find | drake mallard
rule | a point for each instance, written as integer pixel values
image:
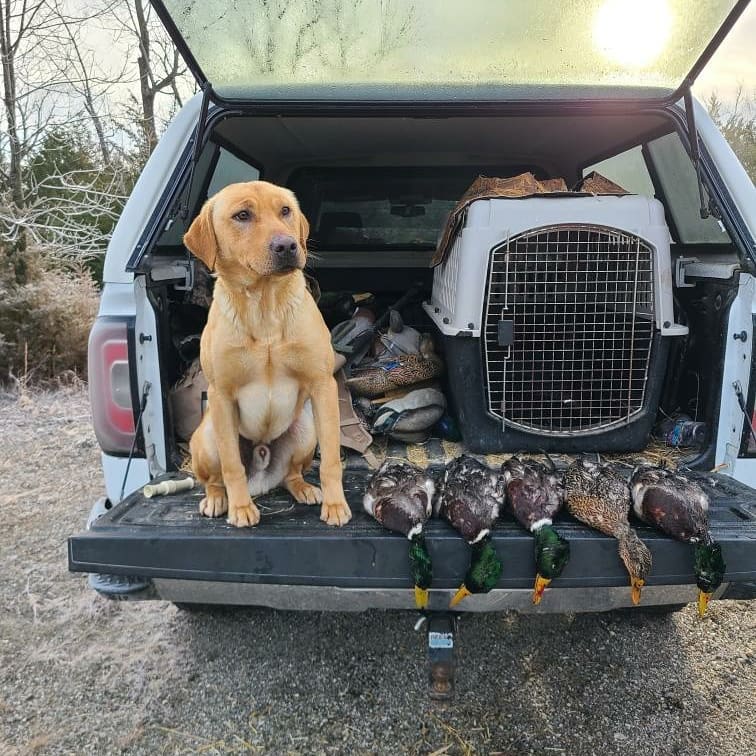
(469, 497)
(600, 497)
(535, 495)
(399, 495)
(680, 508)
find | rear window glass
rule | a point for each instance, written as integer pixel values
(628, 169)
(226, 169)
(492, 49)
(678, 182)
(230, 169)
(382, 208)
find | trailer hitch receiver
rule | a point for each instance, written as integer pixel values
(441, 629)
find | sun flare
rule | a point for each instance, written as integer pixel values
(632, 32)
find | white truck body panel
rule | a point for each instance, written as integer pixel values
(123, 295)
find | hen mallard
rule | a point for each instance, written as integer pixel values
(600, 497)
(469, 498)
(679, 507)
(397, 372)
(399, 495)
(535, 495)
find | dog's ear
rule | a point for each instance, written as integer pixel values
(304, 231)
(200, 239)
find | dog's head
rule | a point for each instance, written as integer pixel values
(250, 230)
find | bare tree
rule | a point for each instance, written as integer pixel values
(82, 78)
(52, 77)
(395, 26)
(62, 215)
(23, 25)
(158, 65)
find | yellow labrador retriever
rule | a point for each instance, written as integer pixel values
(266, 353)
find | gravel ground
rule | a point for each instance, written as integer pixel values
(79, 674)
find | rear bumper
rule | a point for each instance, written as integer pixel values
(292, 560)
(332, 598)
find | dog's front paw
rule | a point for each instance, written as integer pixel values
(246, 516)
(303, 492)
(335, 513)
(214, 505)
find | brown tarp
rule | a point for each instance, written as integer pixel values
(516, 187)
(595, 183)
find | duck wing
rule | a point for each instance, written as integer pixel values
(399, 496)
(597, 496)
(672, 503)
(470, 497)
(533, 492)
(401, 513)
(381, 484)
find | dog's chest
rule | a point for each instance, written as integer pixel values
(269, 397)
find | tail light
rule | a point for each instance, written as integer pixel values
(112, 392)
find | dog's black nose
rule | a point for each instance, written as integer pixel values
(284, 249)
(281, 244)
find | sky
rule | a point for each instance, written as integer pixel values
(734, 64)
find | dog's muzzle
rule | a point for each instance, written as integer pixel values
(284, 253)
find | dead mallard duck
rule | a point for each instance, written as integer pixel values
(599, 496)
(535, 495)
(469, 497)
(680, 508)
(399, 496)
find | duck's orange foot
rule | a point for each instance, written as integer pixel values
(421, 597)
(635, 589)
(462, 593)
(540, 586)
(703, 602)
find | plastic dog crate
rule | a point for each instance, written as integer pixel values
(555, 315)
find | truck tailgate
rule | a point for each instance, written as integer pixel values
(165, 537)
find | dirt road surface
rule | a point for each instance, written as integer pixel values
(81, 675)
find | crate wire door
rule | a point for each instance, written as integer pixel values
(581, 302)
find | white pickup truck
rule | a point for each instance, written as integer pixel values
(379, 123)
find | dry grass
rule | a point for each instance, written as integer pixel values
(143, 678)
(44, 326)
(65, 653)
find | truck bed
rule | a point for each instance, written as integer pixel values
(165, 537)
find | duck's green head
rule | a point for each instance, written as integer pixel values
(421, 568)
(484, 573)
(710, 567)
(552, 552)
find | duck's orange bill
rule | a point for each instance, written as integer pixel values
(421, 597)
(459, 595)
(539, 588)
(703, 602)
(635, 589)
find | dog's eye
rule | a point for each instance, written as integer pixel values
(285, 210)
(242, 215)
